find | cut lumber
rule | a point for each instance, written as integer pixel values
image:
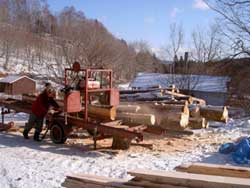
(191, 180)
(172, 120)
(198, 123)
(69, 183)
(148, 184)
(215, 113)
(173, 102)
(128, 108)
(98, 181)
(181, 102)
(213, 169)
(193, 99)
(135, 119)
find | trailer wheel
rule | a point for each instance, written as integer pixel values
(57, 134)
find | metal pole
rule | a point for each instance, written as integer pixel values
(2, 115)
(110, 86)
(110, 79)
(65, 98)
(86, 96)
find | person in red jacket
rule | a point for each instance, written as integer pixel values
(39, 110)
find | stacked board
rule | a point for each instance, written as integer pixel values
(195, 175)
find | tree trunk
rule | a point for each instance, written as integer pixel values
(136, 119)
(198, 123)
(214, 113)
(128, 108)
(172, 120)
(120, 143)
(194, 111)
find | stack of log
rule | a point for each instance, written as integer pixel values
(186, 112)
(178, 113)
(193, 176)
(171, 116)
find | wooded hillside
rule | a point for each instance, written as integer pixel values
(30, 32)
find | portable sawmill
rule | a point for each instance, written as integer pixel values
(89, 103)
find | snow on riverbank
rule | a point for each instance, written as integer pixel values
(25, 163)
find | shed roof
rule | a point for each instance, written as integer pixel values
(13, 78)
(193, 82)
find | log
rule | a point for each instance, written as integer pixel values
(121, 143)
(128, 108)
(191, 180)
(215, 113)
(214, 169)
(198, 123)
(162, 108)
(135, 119)
(194, 111)
(102, 112)
(172, 120)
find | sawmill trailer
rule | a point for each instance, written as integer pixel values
(89, 104)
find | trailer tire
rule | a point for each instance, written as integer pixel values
(57, 134)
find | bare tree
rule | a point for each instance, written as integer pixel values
(206, 44)
(236, 25)
(176, 40)
(51, 42)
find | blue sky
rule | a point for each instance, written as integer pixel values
(147, 20)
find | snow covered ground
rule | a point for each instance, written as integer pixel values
(25, 163)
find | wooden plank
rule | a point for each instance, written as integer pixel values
(100, 180)
(200, 101)
(191, 180)
(213, 169)
(76, 184)
(148, 184)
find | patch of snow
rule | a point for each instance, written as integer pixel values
(124, 86)
(25, 163)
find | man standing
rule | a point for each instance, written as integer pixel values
(40, 108)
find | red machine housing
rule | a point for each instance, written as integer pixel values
(72, 102)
